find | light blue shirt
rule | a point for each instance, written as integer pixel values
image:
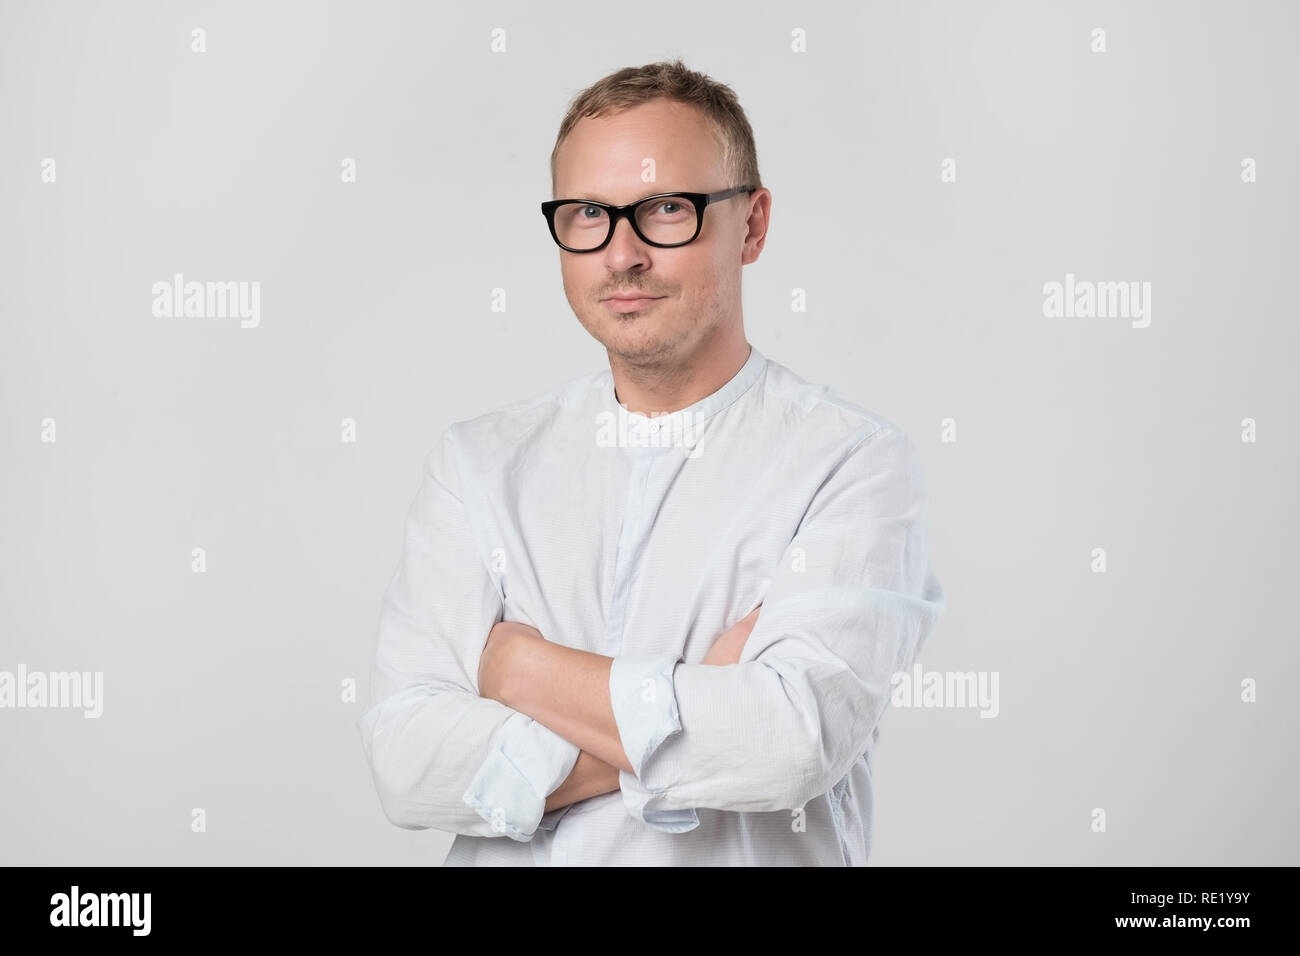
(644, 538)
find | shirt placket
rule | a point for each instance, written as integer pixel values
(633, 534)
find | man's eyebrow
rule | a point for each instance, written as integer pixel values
(597, 197)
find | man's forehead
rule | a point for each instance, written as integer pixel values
(622, 184)
(622, 157)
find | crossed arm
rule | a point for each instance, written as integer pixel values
(849, 604)
(567, 690)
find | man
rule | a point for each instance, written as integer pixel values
(651, 617)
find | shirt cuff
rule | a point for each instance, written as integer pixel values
(644, 700)
(526, 763)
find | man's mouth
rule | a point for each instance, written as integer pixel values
(630, 302)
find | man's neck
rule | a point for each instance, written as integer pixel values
(660, 390)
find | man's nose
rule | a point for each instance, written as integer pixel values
(625, 247)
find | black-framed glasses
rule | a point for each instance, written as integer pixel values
(664, 220)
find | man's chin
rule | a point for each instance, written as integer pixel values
(641, 352)
(635, 337)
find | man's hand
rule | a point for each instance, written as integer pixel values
(726, 649)
(494, 665)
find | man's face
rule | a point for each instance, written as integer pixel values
(697, 285)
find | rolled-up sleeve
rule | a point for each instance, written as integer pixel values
(852, 604)
(441, 756)
(644, 700)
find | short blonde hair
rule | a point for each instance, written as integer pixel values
(632, 86)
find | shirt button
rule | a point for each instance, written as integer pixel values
(654, 426)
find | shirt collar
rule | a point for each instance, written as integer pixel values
(708, 406)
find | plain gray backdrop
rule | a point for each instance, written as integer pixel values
(223, 690)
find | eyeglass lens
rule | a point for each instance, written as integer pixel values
(667, 220)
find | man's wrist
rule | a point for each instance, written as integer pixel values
(590, 777)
